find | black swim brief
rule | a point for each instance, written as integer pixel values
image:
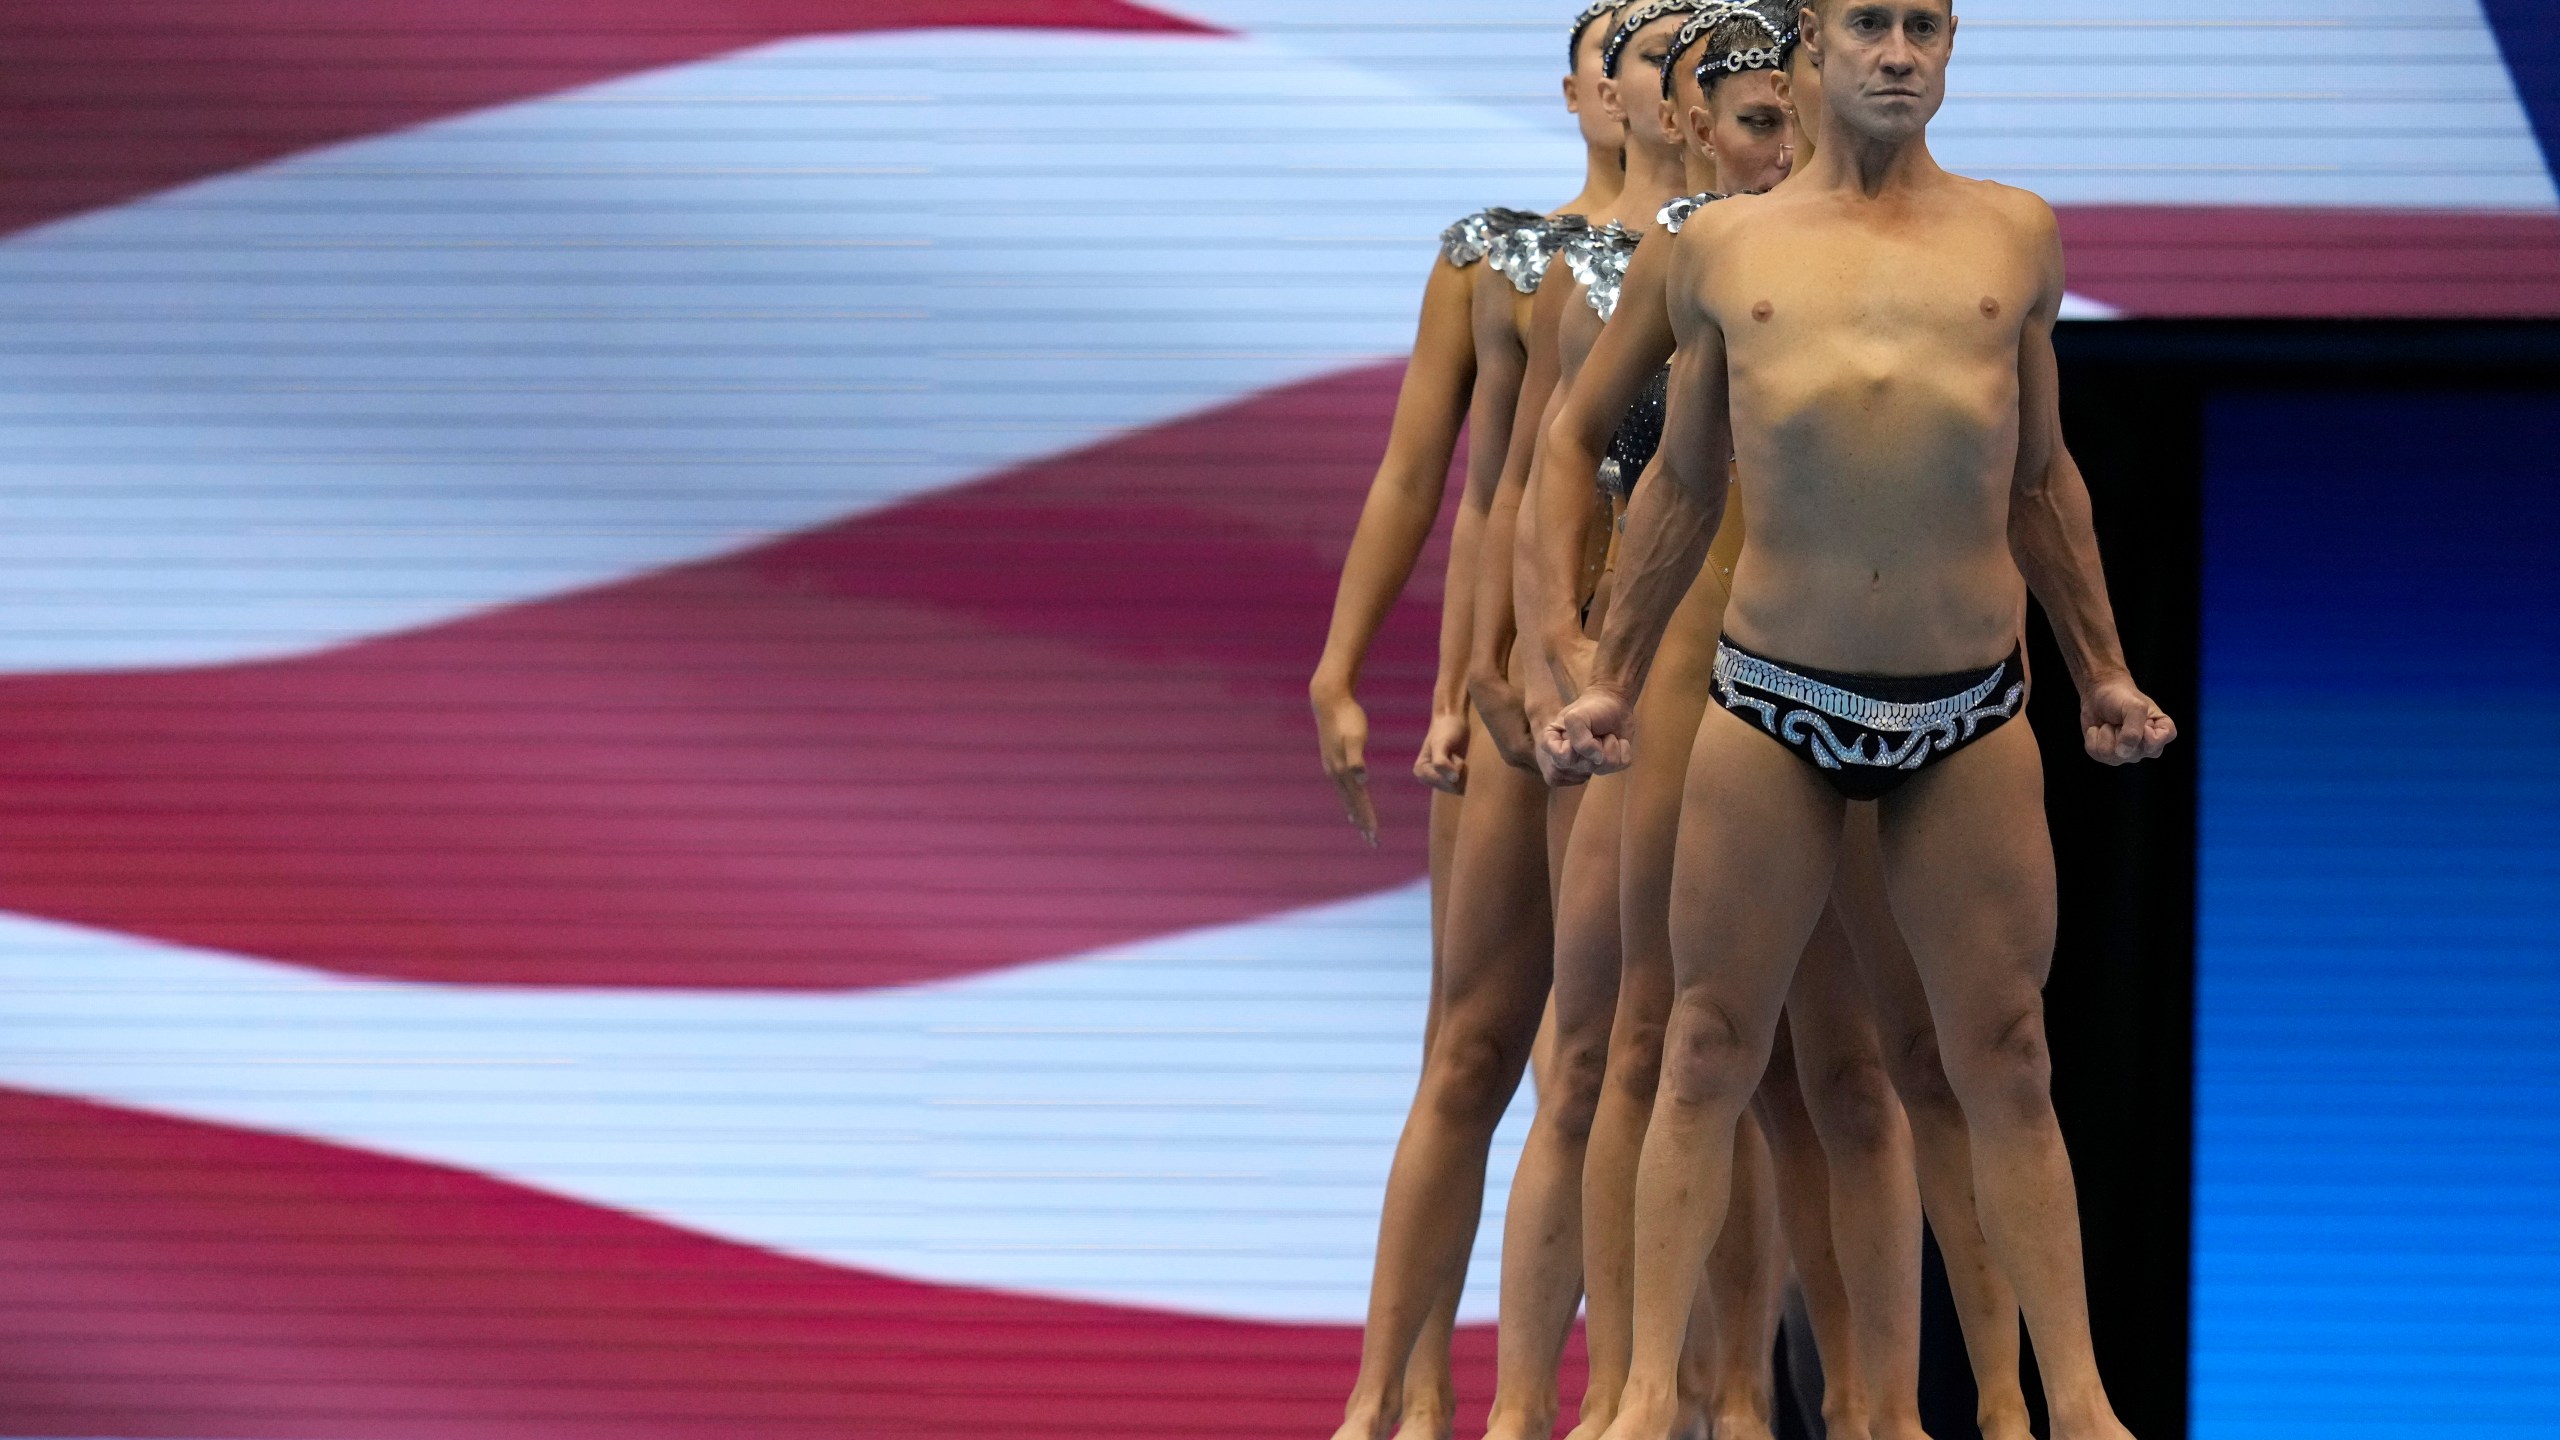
(1868, 733)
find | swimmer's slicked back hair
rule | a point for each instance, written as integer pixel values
(1591, 15)
(1743, 39)
(1700, 26)
(1635, 20)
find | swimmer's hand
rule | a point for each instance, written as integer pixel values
(1342, 740)
(1442, 765)
(1590, 737)
(1506, 718)
(1568, 662)
(2120, 724)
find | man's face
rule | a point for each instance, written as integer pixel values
(1884, 63)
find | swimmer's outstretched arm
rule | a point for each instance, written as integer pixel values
(1492, 625)
(1404, 501)
(1669, 528)
(2055, 542)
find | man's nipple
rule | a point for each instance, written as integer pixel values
(1990, 308)
(1762, 311)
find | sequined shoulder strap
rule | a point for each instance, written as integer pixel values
(1523, 253)
(1599, 260)
(1473, 238)
(1677, 213)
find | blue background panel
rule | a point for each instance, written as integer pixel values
(2377, 1202)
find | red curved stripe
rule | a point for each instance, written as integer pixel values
(1060, 709)
(176, 1279)
(2201, 260)
(105, 100)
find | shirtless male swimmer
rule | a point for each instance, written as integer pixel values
(1872, 343)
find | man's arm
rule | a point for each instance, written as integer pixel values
(1592, 401)
(1669, 528)
(1491, 627)
(2055, 542)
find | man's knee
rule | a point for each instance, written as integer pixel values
(2001, 1068)
(1471, 1074)
(1853, 1106)
(1706, 1058)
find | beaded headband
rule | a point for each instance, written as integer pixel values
(1636, 20)
(1591, 14)
(1772, 56)
(1700, 26)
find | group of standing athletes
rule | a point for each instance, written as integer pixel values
(1748, 862)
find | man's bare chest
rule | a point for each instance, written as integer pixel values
(1948, 294)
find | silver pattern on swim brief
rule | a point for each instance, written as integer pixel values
(1677, 213)
(1598, 259)
(1522, 254)
(1933, 728)
(1471, 239)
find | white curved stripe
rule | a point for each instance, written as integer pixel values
(2402, 104)
(1199, 1123)
(2398, 103)
(564, 341)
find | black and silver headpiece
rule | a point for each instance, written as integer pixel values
(1636, 20)
(1729, 55)
(1700, 26)
(1591, 15)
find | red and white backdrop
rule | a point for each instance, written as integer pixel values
(653, 775)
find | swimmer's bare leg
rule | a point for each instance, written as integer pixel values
(1759, 836)
(1804, 1212)
(1668, 717)
(1495, 955)
(1875, 1196)
(1430, 1388)
(1430, 1391)
(1746, 1278)
(1985, 1305)
(1969, 870)
(1542, 1238)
